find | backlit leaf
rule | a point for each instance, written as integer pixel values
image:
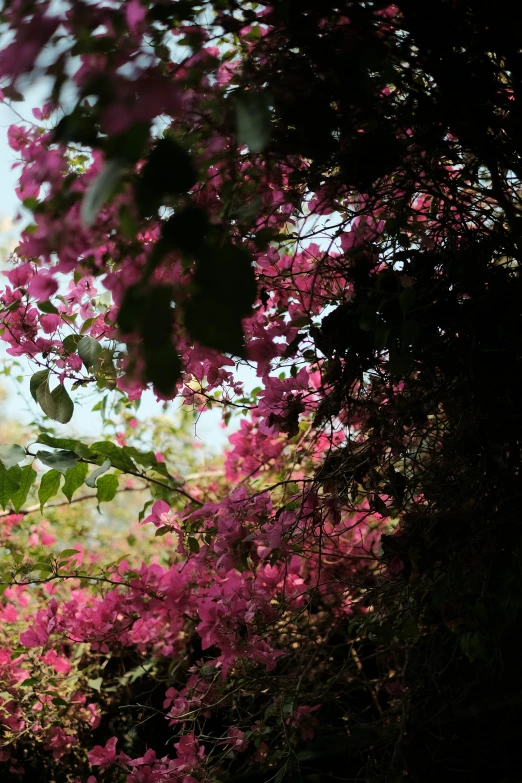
(253, 119)
(49, 486)
(12, 455)
(107, 487)
(101, 189)
(74, 478)
(9, 483)
(89, 350)
(36, 380)
(119, 459)
(27, 479)
(59, 460)
(63, 405)
(68, 444)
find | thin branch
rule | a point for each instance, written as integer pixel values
(80, 499)
(205, 474)
(143, 476)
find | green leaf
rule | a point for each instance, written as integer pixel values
(87, 324)
(47, 307)
(129, 146)
(119, 459)
(44, 398)
(29, 682)
(12, 93)
(399, 363)
(12, 455)
(209, 324)
(157, 316)
(303, 320)
(45, 568)
(149, 310)
(61, 460)
(128, 223)
(186, 230)
(381, 336)
(248, 210)
(162, 531)
(148, 460)
(253, 120)
(36, 380)
(411, 332)
(69, 444)
(63, 405)
(74, 478)
(407, 298)
(70, 343)
(162, 469)
(67, 553)
(27, 480)
(49, 486)
(280, 775)
(107, 487)
(225, 293)
(163, 367)
(193, 545)
(159, 492)
(145, 458)
(266, 235)
(169, 170)
(89, 351)
(143, 511)
(91, 480)
(13, 306)
(78, 126)
(130, 314)
(95, 684)
(101, 189)
(307, 755)
(9, 483)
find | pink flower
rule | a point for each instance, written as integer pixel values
(140, 101)
(396, 566)
(59, 742)
(20, 275)
(394, 689)
(189, 752)
(262, 752)
(50, 322)
(160, 514)
(42, 286)
(103, 757)
(18, 137)
(135, 13)
(59, 663)
(235, 739)
(19, 57)
(303, 719)
(45, 622)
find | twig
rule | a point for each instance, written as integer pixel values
(141, 476)
(80, 499)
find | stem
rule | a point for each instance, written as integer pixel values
(141, 476)
(36, 507)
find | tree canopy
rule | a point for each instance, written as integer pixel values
(329, 192)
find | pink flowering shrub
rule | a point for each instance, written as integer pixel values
(168, 263)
